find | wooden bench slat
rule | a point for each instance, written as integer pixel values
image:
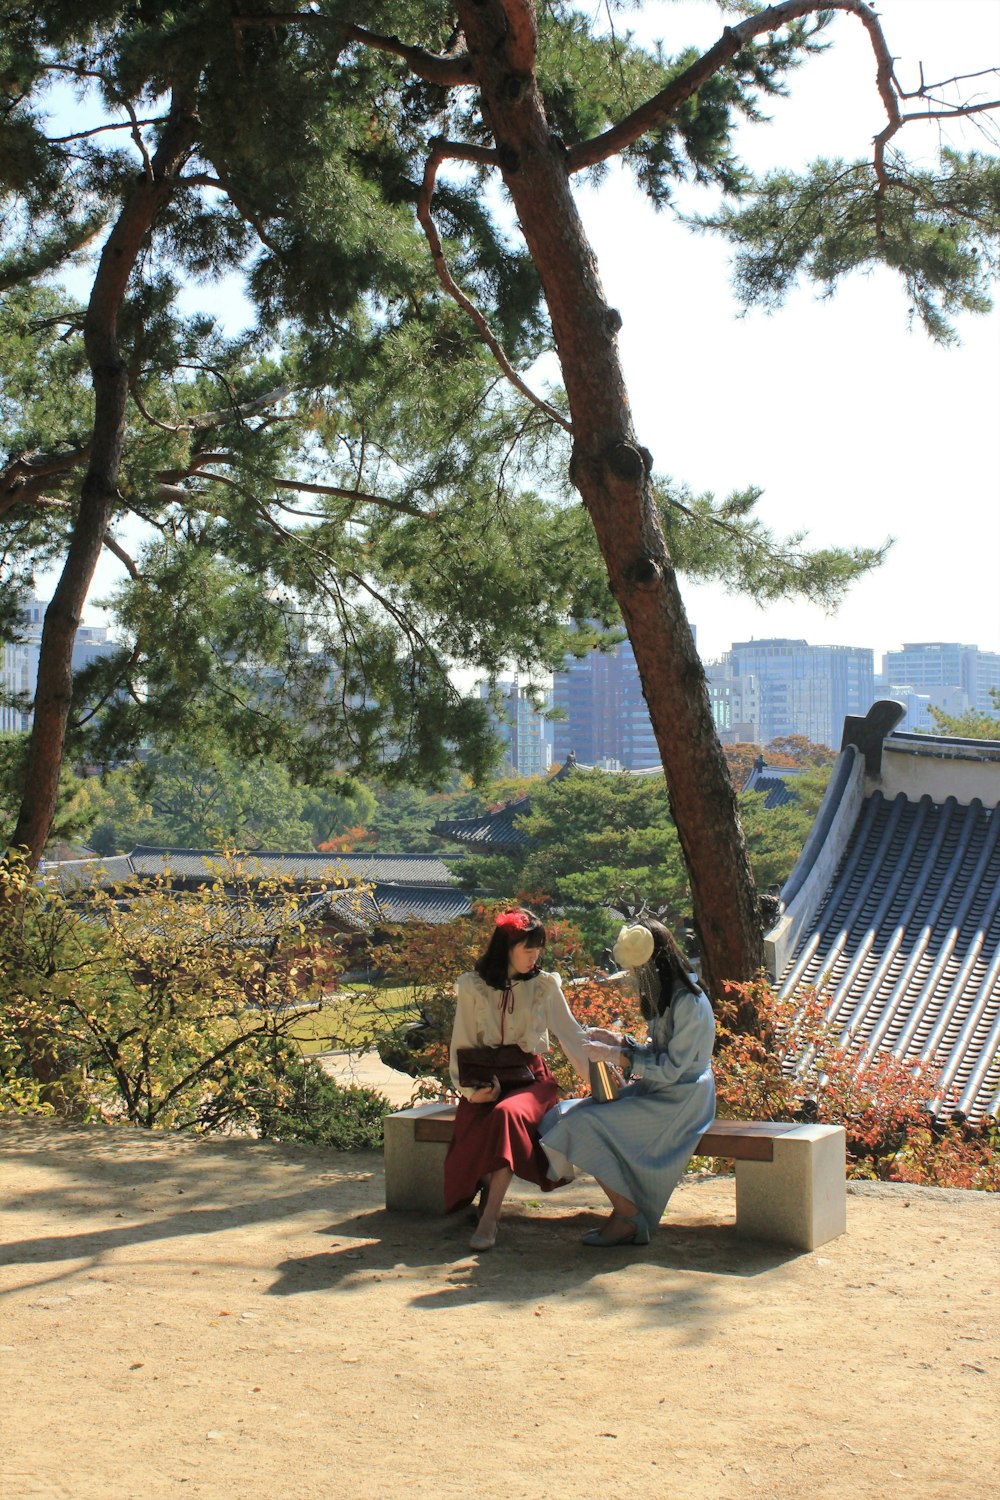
(742, 1140)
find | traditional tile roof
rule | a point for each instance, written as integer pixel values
(490, 831)
(773, 782)
(893, 909)
(67, 873)
(406, 903)
(301, 868)
(363, 889)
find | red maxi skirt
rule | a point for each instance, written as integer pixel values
(504, 1134)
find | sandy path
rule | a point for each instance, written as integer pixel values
(246, 1322)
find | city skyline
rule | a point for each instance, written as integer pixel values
(760, 690)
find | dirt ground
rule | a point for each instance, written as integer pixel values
(246, 1322)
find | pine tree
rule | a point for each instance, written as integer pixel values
(336, 160)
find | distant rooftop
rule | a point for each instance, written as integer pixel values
(396, 887)
(494, 832)
(773, 783)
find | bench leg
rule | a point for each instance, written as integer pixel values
(800, 1197)
(414, 1170)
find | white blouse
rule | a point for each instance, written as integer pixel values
(539, 1007)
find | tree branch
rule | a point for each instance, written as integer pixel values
(170, 485)
(82, 135)
(949, 111)
(127, 562)
(442, 150)
(929, 88)
(140, 144)
(203, 421)
(446, 70)
(359, 495)
(26, 477)
(657, 110)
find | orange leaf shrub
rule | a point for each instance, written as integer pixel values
(596, 1002)
(882, 1102)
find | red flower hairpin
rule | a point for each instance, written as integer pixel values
(517, 919)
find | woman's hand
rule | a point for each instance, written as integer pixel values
(486, 1095)
(606, 1052)
(601, 1034)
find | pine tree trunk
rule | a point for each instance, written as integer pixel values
(611, 471)
(99, 492)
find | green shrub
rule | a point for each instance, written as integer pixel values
(152, 1006)
(306, 1105)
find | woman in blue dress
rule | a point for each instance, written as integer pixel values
(638, 1145)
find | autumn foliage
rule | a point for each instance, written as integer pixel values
(156, 1007)
(883, 1105)
(800, 1074)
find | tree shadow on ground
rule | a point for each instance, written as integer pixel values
(536, 1256)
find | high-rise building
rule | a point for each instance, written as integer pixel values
(955, 678)
(523, 729)
(606, 719)
(13, 684)
(735, 704)
(19, 662)
(805, 689)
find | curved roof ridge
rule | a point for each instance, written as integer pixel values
(893, 908)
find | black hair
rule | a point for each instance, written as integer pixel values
(495, 961)
(672, 967)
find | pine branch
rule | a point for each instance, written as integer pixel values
(83, 135)
(442, 150)
(25, 478)
(447, 70)
(238, 412)
(658, 110)
(170, 485)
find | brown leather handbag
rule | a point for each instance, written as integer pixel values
(478, 1066)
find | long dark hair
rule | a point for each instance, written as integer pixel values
(521, 927)
(671, 966)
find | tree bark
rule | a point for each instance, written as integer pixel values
(610, 469)
(99, 491)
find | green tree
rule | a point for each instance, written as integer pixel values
(775, 835)
(75, 811)
(161, 1008)
(972, 725)
(597, 839)
(175, 801)
(301, 150)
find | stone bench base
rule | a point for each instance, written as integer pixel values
(790, 1179)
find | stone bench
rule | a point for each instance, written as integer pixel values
(790, 1179)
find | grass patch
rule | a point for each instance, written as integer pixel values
(352, 1017)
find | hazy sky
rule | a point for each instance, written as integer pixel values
(856, 426)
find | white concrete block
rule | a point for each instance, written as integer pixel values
(800, 1197)
(414, 1170)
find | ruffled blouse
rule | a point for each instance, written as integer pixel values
(539, 1006)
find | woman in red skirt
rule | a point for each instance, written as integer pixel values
(508, 998)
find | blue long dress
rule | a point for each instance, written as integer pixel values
(639, 1144)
